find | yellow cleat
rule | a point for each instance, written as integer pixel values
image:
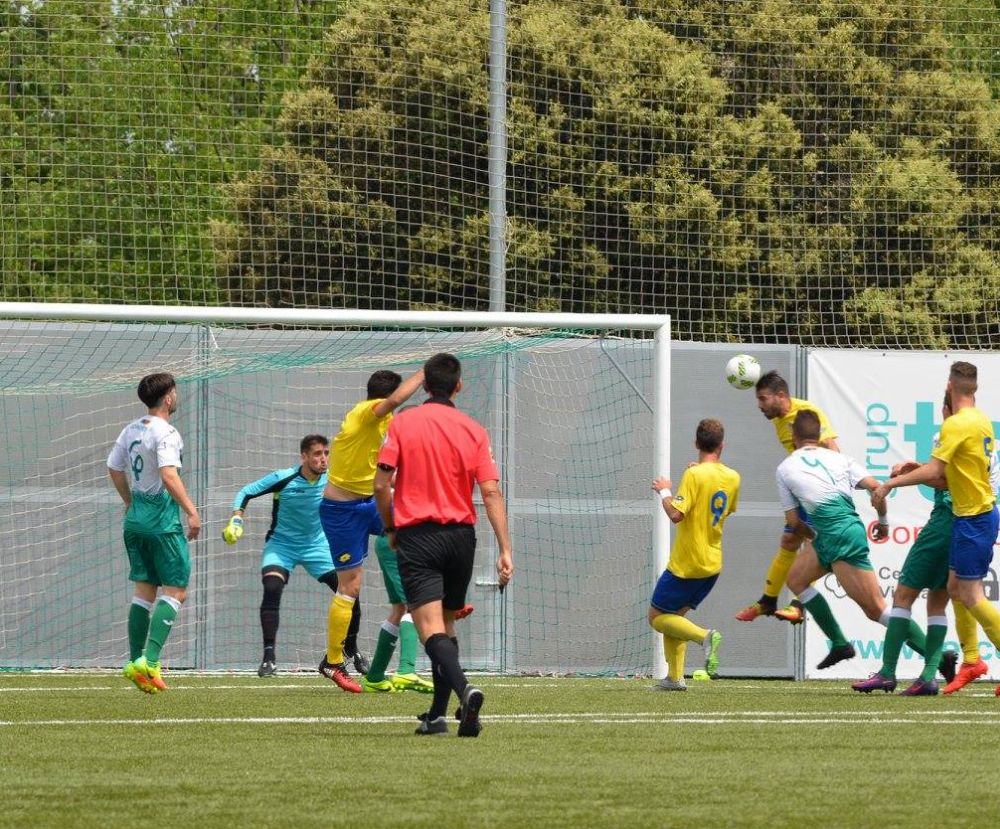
(148, 677)
(412, 682)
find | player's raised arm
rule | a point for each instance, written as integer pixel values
(403, 393)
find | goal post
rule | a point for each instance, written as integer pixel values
(578, 409)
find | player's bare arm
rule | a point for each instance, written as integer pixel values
(497, 514)
(175, 486)
(664, 488)
(927, 473)
(799, 527)
(881, 530)
(383, 499)
(405, 391)
(908, 466)
(120, 482)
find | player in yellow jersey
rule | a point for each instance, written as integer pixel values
(780, 408)
(347, 510)
(962, 457)
(707, 495)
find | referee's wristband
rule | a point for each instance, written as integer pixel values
(663, 494)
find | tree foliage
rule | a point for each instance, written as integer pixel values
(800, 171)
(120, 121)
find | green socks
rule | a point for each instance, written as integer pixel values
(407, 646)
(160, 626)
(387, 638)
(820, 610)
(937, 627)
(138, 627)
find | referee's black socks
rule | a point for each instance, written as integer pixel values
(446, 670)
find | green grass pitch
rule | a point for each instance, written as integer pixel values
(88, 750)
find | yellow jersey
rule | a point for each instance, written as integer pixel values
(783, 424)
(355, 449)
(708, 494)
(965, 446)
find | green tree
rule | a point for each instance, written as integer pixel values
(815, 172)
(119, 124)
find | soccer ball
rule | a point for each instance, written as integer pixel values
(743, 371)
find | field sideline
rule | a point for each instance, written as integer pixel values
(88, 750)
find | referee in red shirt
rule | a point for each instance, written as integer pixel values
(432, 457)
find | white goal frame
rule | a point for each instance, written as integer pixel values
(656, 323)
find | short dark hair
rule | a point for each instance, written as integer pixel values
(154, 387)
(383, 383)
(964, 377)
(309, 441)
(806, 425)
(772, 382)
(441, 375)
(709, 435)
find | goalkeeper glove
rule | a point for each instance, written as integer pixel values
(234, 529)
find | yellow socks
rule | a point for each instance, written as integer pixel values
(989, 620)
(968, 633)
(777, 573)
(337, 621)
(677, 627)
(674, 651)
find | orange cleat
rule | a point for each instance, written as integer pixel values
(967, 672)
(751, 612)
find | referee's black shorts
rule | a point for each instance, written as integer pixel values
(435, 563)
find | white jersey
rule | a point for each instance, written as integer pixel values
(813, 477)
(995, 473)
(143, 447)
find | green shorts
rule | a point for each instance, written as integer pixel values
(160, 559)
(844, 541)
(389, 565)
(926, 564)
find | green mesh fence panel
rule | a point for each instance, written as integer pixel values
(571, 427)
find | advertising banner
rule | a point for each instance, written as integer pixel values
(886, 408)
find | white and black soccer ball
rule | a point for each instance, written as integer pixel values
(743, 371)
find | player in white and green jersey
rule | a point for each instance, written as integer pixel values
(776, 404)
(143, 465)
(821, 482)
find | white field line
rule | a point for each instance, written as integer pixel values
(582, 718)
(258, 685)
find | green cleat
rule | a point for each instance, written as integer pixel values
(383, 686)
(412, 682)
(138, 679)
(148, 676)
(711, 646)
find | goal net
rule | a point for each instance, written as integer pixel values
(570, 408)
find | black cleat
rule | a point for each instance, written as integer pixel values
(472, 701)
(837, 654)
(948, 665)
(267, 668)
(361, 663)
(439, 725)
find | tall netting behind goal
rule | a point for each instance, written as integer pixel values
(809, 172)
(569, 412)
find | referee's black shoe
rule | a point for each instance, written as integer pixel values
(468, 723)
(439, 725)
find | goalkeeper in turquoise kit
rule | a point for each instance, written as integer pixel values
(295, 538)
